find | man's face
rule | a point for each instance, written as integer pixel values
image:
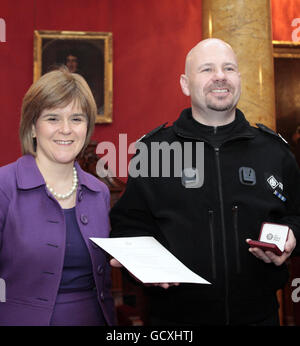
(72, 63)
(213, 80)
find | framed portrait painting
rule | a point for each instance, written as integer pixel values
(86, 53)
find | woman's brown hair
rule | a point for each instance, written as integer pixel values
(55, 89)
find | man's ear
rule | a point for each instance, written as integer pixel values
(184, 82)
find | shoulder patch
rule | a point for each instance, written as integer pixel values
(266, 129)
(151, 133)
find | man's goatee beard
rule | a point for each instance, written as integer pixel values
(219, 108)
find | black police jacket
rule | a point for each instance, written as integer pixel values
(206, 227)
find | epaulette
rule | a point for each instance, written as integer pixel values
(151, 133)
(266, 129)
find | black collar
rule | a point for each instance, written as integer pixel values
(186, 126)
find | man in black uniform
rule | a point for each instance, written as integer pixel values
(250, 177)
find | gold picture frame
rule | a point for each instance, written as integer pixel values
(286, 49)
(86, 53)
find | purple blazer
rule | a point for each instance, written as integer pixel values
(32, 242)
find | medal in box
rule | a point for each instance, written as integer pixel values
(272, 238)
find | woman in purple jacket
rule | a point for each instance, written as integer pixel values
(49, 208)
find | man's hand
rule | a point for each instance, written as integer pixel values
(164, 285)
(270, 257)
(114, 263)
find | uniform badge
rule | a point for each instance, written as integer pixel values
(247, 176)
(277, 187)
(272, 182)
(190, 178)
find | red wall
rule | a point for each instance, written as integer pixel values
(150, 41)
(283, 14)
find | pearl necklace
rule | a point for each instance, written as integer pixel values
(68, 194)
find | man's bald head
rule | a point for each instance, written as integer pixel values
(201, 47)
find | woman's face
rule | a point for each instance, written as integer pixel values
(60, 133)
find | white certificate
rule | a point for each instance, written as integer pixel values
(148, 260)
